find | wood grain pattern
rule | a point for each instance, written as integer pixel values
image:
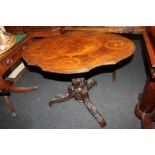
(109, 29)
(77, 51)
(48, 30)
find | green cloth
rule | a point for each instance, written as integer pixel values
(20, 37)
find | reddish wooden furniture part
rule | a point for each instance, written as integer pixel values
(48, 30)
(43, 31)
(145, 109)
(106, 29)
(7, 61)
(78, 52)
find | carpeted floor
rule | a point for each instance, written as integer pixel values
(115, 100)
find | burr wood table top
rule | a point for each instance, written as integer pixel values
(77, 51)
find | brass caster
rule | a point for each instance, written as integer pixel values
(35, 87)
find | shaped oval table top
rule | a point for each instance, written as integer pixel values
(78, 51)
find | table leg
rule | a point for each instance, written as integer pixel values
(79, 91)
(10, 106)
(60, 98)
(21, 89)
(145, 109)
(92, 109)
(10, 87)
(114, 76)
(13, 88)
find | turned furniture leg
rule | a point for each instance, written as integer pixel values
(13, 88)
(79, 91)
(10, 87)
(21, 89)
(9, 81)
(146, 123)
(114, 76)
(145, 109)
(10, 105)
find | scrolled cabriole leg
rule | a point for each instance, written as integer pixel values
(79, 89)
(92, 109)
(60, 98)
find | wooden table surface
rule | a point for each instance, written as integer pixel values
(77, 51)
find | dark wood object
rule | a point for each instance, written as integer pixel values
(106, 29)
(145, 109)
(79, 90)
(34, 30)
(78, 52)
(7, 61)
(48, 30)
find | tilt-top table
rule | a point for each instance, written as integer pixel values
(78, 52)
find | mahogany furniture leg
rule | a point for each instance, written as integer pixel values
(10, 106)
(11, 87)
(145, 109)
(79, 90)
(9, 81)
(21, 89)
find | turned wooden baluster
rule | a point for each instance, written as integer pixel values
(145, 109)
(5, 91)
